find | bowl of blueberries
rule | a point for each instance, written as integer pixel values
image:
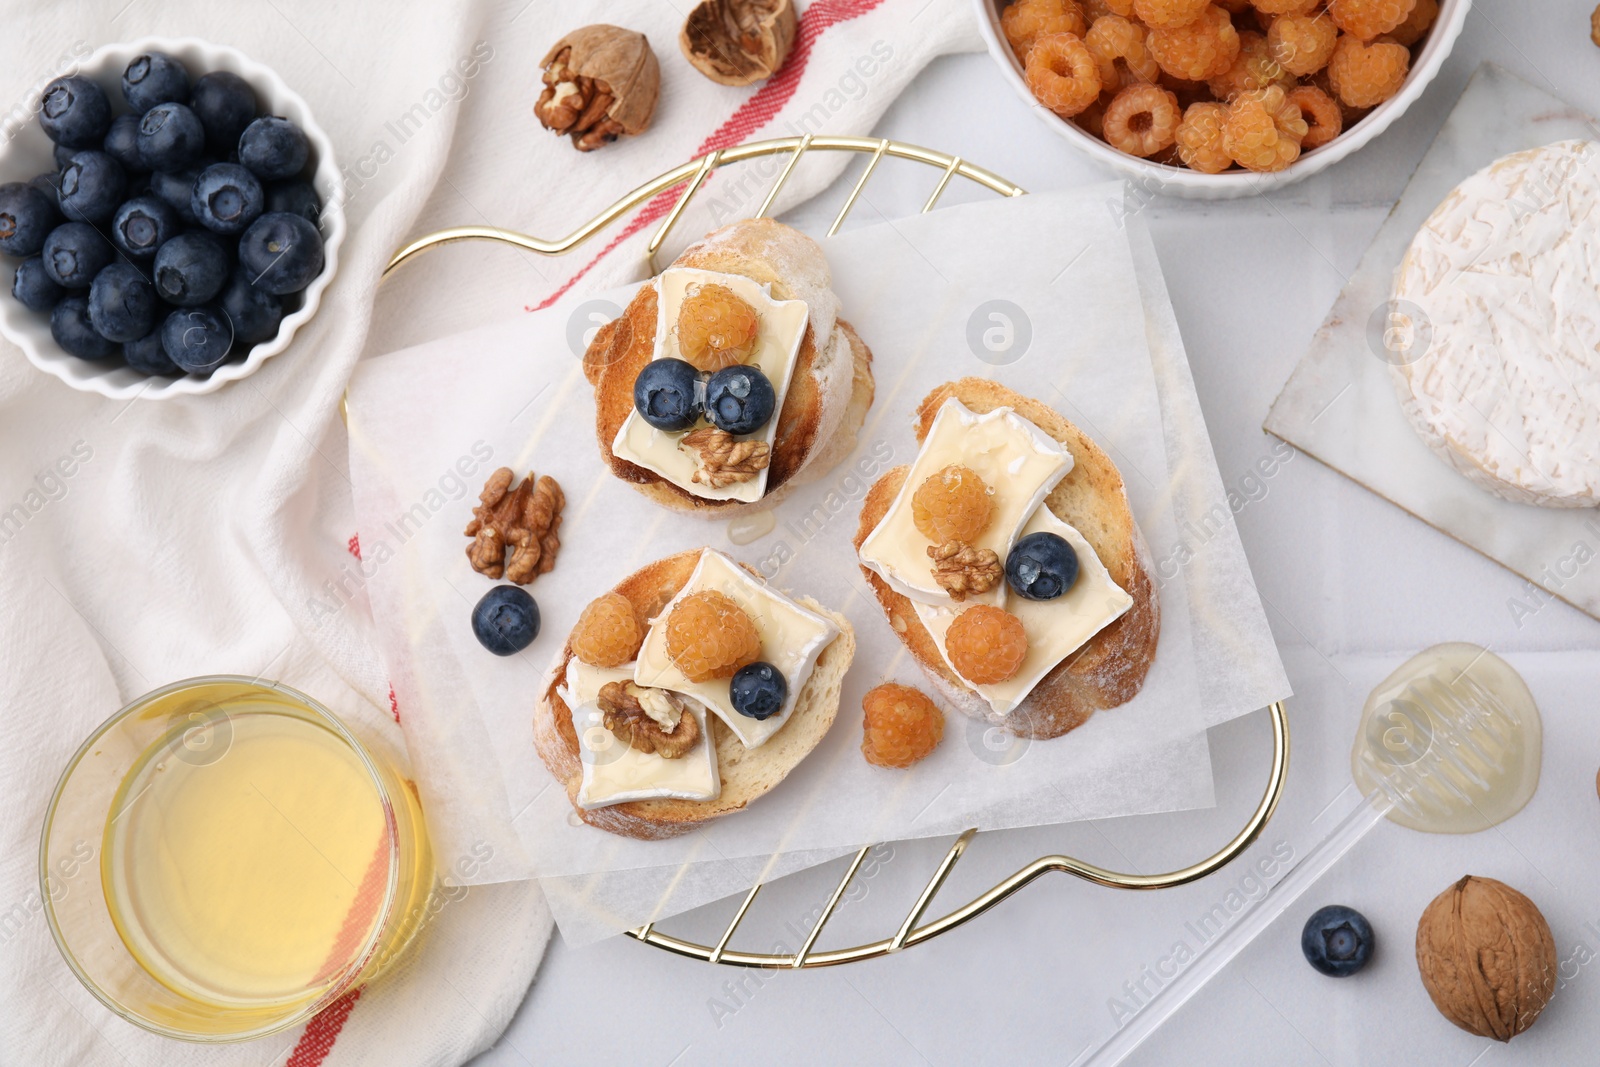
(169, 218)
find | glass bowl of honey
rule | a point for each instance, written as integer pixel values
(224, 857)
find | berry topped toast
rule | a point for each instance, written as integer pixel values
(1008, 562)
(685, 693)
(730, 377)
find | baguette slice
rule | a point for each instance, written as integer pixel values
(746, 773)
(1110, 668)
(828, 395)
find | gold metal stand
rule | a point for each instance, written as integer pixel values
(909, 933)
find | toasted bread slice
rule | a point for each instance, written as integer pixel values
(1110, 668)
(747, 773)
(828, 395)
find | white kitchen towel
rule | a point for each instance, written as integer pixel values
(145, 542)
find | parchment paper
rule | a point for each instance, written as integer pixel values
(513, 394)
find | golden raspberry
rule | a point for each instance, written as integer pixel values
(1263, 130)
(1365, 75)
(1025, 21)
(1321, 112)
(1094, 10)
(1168, 14)
(1367, 19)
(1061, 72)
(953, 504)
(716, 328)
(1419, 22)
(1200, 138)
(1203, 49)
(1285, 7)
(1302, 43)
(608, 633)
(1119, 51)
(710, 636)
(986, 645)
(1255, 68)
(900, 725)
(1142, 120)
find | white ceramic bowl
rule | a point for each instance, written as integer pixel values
(29, 153)
(1180, 181)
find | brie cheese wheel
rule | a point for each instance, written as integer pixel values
(615, 772)
(1500, 295)
(782, 329)
(792, 637)
(1055, 628)
(1020, 464)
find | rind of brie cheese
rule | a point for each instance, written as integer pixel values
(616, 773)
(792, 637)
(1018, 461)
(783, 328)
(1055, 628)
(1506, 274)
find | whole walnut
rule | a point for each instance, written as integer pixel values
(1487, 958)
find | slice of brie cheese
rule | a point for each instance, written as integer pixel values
(1018, 461)
(1055, 628)
(792, 638)
(783, 327)
(613, 771)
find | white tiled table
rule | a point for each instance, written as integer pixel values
(1349, 580)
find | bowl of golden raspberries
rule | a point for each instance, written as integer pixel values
(1220, 98)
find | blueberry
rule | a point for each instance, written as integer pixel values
(74, 111)
(148, 356)
(122, 303)
(170, 138)
(154, 78)
(32, 286)
(297, 198)
(176, 188)
(739, 399)
(274, 148)
(62, 155)
(191, 269)
(122, 143)
(74, 253)
(70, 326)
(664, 394)
(283, 252)
(143, 225)
(254, 312)
(197, 339)
(92, 186)
(26, 218)
(1042, 566)
(225, 104)
(1337, 941)
(226, 198)
(506, 620)
(758, 691)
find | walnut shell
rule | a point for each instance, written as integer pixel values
(737, 42)
(1487, 958)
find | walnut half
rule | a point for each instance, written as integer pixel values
(725, 459)
(525, 519)
(736, 42)
(964, 571)
(648, 720)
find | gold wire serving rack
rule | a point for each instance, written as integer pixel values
(911, 931)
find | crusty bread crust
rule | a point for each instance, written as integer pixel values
(1108, 670)
(746, 773)
(828, 395)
